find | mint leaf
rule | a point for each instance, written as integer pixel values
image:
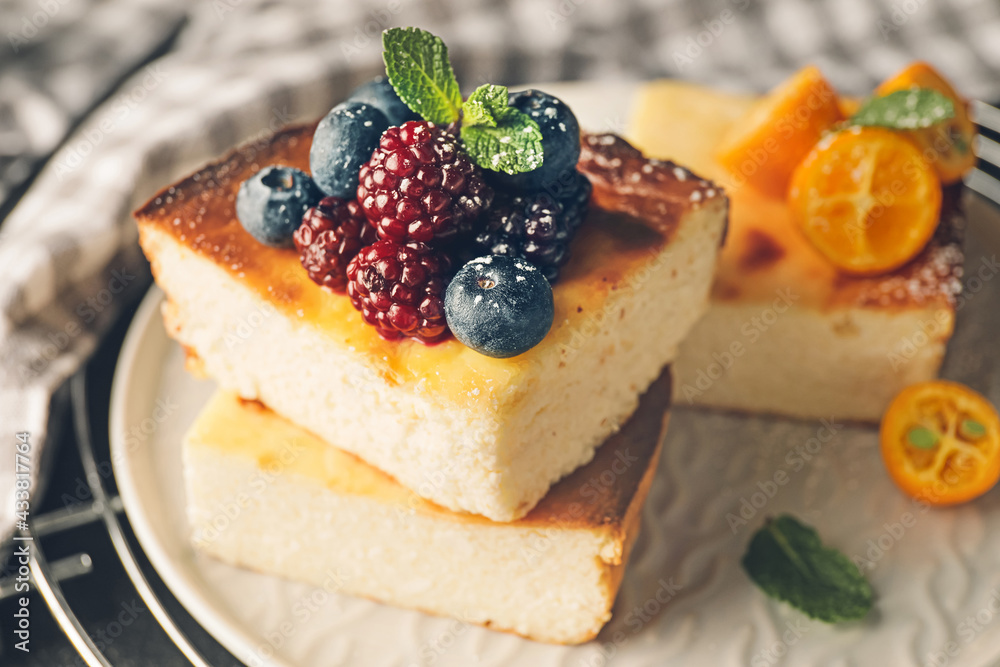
(417, 65)
(787, 561)
(484, 105)
(905, 110)
(497, 136)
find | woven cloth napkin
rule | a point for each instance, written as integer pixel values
(239, 68)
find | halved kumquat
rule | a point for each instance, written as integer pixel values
(866, 199)
(765, 145)
(947, 145)
(940, 442)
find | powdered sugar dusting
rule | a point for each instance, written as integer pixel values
(935, 274)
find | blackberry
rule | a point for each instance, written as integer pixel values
(331, 234)
(400, 289)
(419, 186)
(536, 226)
(572, 191)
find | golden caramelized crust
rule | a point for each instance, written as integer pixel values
(639, 205)
(765, 252)
(655, 192)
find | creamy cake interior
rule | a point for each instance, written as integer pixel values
(551, 575)
(473, 433)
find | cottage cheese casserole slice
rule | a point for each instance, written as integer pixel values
(551, 576)
(467, 431)
(788, 333)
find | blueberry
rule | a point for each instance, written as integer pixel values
(499, 306)
(271, 203)
(344, 140)
(560, 140)
(379, 93)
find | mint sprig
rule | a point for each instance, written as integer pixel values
(787, 560)
(418, 68)
(498, 136)
(484, 105)
(912, 109)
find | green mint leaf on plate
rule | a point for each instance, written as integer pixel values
(787, 560)
(922, 437)
(905, 110)
(418, 68)
(497, 136)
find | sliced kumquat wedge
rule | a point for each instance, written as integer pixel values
(764, 147)
(866, 199)
(948, 144)
(941, 442)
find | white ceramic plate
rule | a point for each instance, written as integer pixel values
(685, 599)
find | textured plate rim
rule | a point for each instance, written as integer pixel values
(146, 327)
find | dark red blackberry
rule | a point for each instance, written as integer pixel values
(573, 194)
(419, 186)
(537, 226)
(400, 289)
(331, 234)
